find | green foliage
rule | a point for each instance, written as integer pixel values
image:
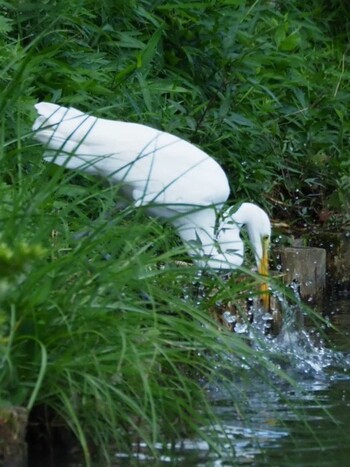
(260, 85)
(95, 324)
(91, 325)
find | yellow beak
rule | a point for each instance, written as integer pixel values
(264, 271)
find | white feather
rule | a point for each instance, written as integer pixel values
(173, 178)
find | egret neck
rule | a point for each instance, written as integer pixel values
(258, 226)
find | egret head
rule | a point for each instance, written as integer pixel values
(259, 231)
(258, 226)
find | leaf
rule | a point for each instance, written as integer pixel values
(150, 50)
(5, 24)
(240, 120)
(280, 34)
(129, 41)
(125, 73)
(145, 91)
(291, 42)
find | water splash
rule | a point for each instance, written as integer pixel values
(269, 407)
(295, 348)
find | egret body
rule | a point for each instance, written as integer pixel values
(171, 177)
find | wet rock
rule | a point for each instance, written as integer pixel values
(13, 447)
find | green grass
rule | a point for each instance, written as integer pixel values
(98, 322)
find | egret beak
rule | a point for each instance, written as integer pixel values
(264, 271)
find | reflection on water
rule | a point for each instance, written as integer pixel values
(276, 423)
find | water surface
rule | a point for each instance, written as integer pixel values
(277, 423)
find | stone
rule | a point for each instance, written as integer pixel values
(13, 447)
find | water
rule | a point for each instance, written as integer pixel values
(281, 424)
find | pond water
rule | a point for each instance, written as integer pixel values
(276, 423)
(307, 424)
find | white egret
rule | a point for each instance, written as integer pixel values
(173, 178)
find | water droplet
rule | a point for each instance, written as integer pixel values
(228, 317)
(241, 328)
